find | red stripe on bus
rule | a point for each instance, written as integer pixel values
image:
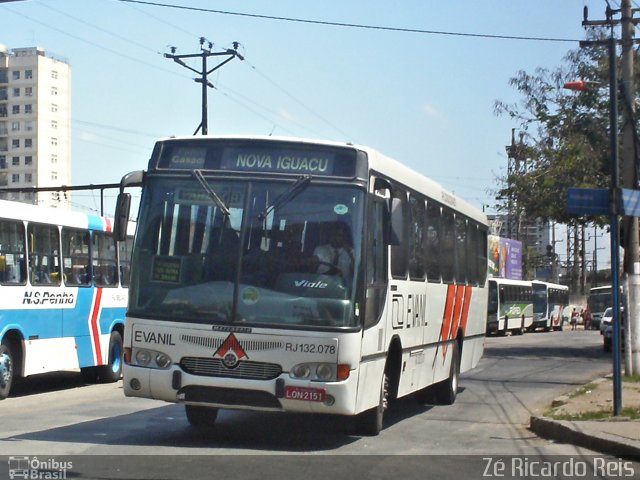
(466, 307)
(448, 317)
(95, 333)
(457, 312)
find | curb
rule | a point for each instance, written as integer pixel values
(563, 431)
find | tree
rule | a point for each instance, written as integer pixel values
(564, 136)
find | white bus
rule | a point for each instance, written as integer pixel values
(292, 275)
(600, 298)
(549, 301)
(510, 307)
(63, 293)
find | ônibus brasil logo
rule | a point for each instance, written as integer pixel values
(230, 352)
(35, 468)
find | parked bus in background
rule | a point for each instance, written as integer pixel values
(549, 301)
(510, 306)
(63, 293)
(294, 275)
(599, 300)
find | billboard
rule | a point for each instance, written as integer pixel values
(505, 258)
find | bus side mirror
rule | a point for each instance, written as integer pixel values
(121, 219)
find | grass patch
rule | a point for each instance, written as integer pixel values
(583, 390)
(631, 378)
(631, 413)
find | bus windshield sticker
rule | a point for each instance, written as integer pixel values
(188, 157)
(281, 161)
(250, 296)
(341, 209)
(166, 269)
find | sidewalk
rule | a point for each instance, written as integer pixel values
(571, 419)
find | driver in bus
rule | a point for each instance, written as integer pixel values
(335, 257)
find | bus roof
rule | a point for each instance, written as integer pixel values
(550, 284)
(377, 161)
(510, 281)
(56, 216)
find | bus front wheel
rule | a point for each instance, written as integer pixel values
(112, 371)
(6, 370)
(201, 417)
(370, 423)
(445, 392)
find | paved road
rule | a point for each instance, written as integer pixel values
(517, 377)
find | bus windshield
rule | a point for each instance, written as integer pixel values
(540, 299)
(266, 253)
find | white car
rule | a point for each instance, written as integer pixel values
(606, 320)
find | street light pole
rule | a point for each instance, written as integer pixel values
(615, 229)
(613, 210)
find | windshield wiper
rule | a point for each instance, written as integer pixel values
(212, 194)
(286, 196)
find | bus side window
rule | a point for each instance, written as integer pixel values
(433, 242)
(417, 238)
(376, 262)
(399, 227)
(75, 257)
(103, 259)
(447, 246)
(12, 250)
(44, 262)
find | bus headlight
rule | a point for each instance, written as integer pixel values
(301, 371)
(319, 372)
(162, 360)
(325, 372)
(150, 359)
(143, 357)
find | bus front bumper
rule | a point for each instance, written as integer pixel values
(280, 394)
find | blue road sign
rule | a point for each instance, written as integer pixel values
(589, 201)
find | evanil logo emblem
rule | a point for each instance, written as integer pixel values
(230, 351)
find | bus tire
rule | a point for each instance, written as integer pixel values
(520, 331)
(201, 417)
(445, 392)
(6, 370)
(112, 371)
(371, 422)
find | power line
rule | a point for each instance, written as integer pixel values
(352, 25)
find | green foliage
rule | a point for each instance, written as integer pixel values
(564, 136)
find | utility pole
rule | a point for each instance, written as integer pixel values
(630, 180)
(204, 54)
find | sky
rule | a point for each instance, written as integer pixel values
(425, 98)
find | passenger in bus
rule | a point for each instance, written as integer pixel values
(335, 257)
(105, 276)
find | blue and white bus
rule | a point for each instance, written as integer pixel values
(63, 294)
(297, 275)
(549, 301)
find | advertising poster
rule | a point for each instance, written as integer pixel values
(505, 258)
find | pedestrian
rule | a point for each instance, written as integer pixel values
(586, 315)
(574, 318)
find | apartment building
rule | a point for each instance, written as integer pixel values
(35, 125)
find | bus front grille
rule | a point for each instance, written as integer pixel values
(213, 367)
